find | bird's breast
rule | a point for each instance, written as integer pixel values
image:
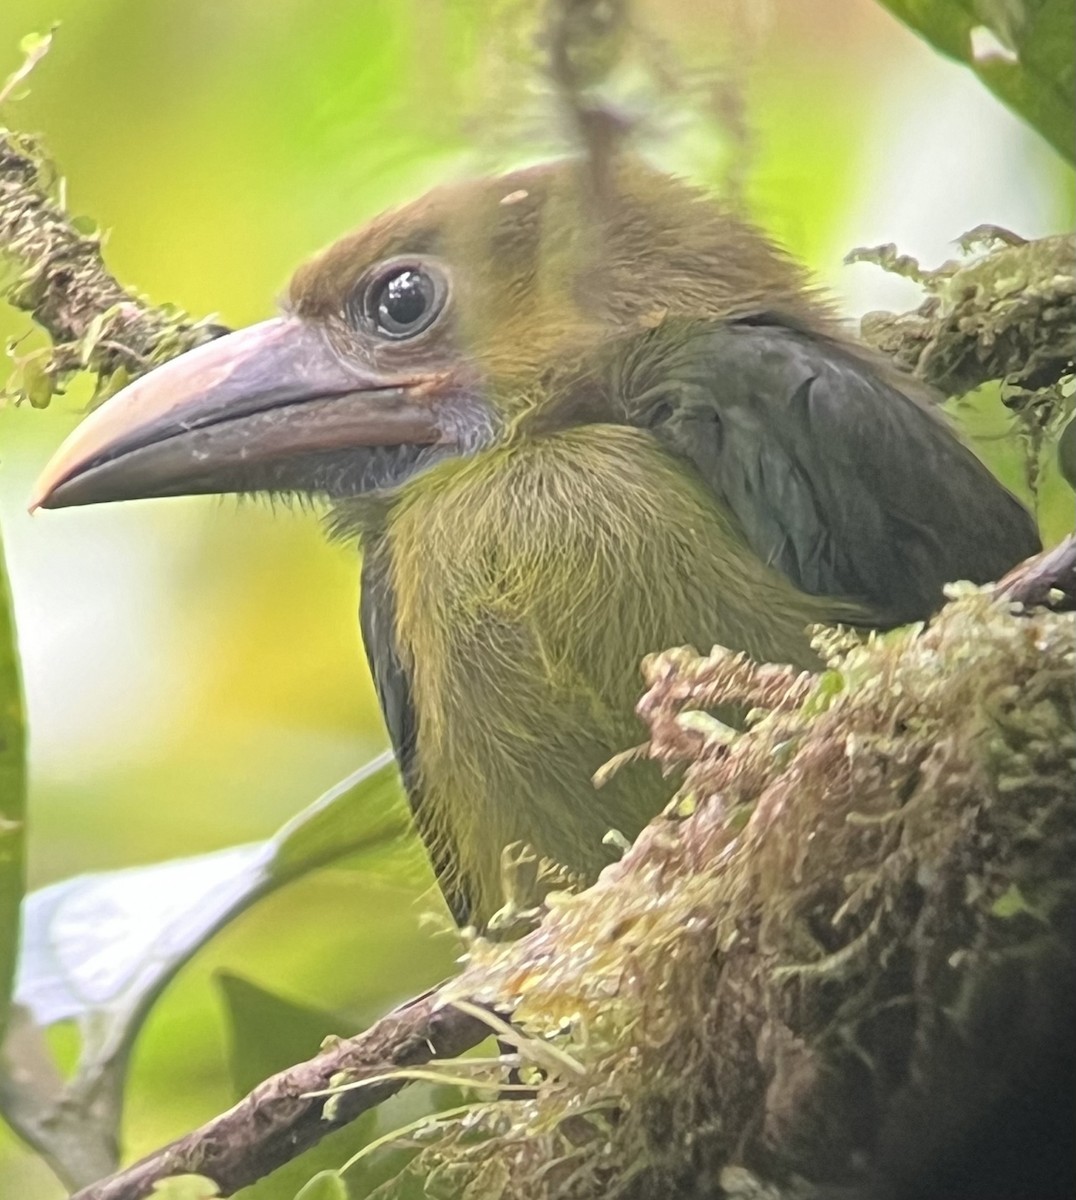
(528, 582)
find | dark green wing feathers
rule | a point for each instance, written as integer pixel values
(377, 620)
(845, 483)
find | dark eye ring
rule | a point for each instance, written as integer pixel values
(404, 300)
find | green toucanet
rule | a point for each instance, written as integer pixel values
(568, 432)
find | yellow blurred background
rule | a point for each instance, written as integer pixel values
(193, 668)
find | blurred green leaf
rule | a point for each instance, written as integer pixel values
(100, 949)
(326, 1185)
(1009, 903)
(267, 1033)
(1029, 62)
(366, 810)
(102, 946)
(34, 380)
(1066, 453)
(12, 796)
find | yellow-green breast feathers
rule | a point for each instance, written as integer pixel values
(530, 580)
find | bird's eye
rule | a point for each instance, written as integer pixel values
(405, 302)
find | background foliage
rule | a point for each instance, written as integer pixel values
(192, 669)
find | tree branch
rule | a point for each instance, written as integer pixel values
(61, 281)
(281, 1118)
(1009, 315)
(845, 953)
(1047, 579)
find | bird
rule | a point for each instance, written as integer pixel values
(567, 429)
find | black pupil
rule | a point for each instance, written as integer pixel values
(404, 301)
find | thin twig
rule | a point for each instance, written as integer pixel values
(1047, 579)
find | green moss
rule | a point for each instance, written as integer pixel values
(766, 999)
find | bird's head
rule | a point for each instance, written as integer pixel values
(483, 310)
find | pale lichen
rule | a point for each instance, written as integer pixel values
(1007, 315)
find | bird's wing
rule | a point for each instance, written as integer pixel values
(840, 479)
(377, 619)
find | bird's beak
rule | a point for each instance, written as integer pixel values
(199, 423)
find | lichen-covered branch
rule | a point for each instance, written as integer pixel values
(1006, 316)
(57, 275)
(1009, 315)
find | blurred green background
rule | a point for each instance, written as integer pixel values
(192, 668)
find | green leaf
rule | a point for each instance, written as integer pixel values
(1009, 903)
(1066, 453)
(1023, 50)
(363, 812)
(1012, 903)
(267, 1033)
(12, 796)
(326, 1185)
(35, 381)
(100, 949)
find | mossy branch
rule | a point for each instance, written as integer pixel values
(1009, 315)
(842, 958)
(56, 274)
